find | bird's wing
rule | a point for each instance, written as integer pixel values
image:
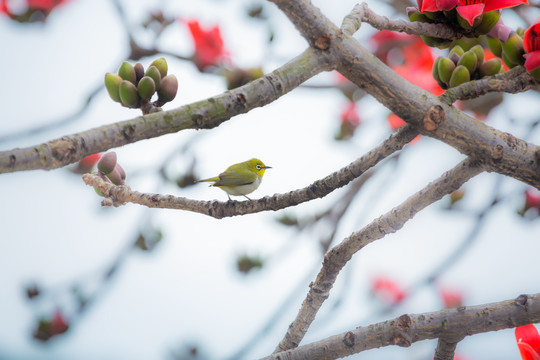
(236, 178)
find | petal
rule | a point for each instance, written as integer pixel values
(531, 38)
(527, 352)
(502, 4)
(470, 12)
(532, 61)
(528, 341)
(446, 4)
(427, 5)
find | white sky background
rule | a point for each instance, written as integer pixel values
(53, 230)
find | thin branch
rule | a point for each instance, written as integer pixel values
(117, 195)
(445, 350)
(205, 114)
(392, 221)
(362, 13)
(513, 81)
(450, 324)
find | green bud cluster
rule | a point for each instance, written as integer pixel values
(134, 87)
(482, 25)
(462, 66)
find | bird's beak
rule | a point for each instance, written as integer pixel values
(267, 167)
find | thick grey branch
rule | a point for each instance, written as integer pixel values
(388, 223)
(500, 152)
(119, 195)
(205, 114)
(407, 329)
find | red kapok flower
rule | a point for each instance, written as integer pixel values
(209, 48)
(48, 328)
(388, 290)
(531, 45)
(350, 114)
(471, 9)
(43, 6)
(532, 198)
(451, 298)
(528, 342)
(350, 119)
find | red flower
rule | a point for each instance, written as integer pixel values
(409, 57)
(468, 9)
(528, 342)
(209, 49)
(388, 290)
(350, 114)
(471, 9)
(436, 5)
(451, 298)
(349, 122)
(532, 198)
(531, 44)
(48, 328)
(45, 6)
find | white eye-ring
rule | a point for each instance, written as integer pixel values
(258, 167)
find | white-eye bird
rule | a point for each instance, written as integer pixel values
(240, 179)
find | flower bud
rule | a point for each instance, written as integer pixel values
(107, 163)
(494, 45)
(488, 21)
(115, 176)
(146, 88)
(127, 72)
(128, 94)
(168, 89)
(161, 65)
(445, 67)
(469, 60)
(513, 49)
(490, 67)
(479, 52)
(456, 50)
(139, 72)
(435, 42)
(154, 73)
(460, 75)
(112, 84)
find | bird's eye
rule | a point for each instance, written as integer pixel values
(258, 167)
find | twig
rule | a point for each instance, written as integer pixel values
(445, 350)
(388, 223)
(362, 13)
(513, 81)
(118, 195)
(205, 114)
(451, 324)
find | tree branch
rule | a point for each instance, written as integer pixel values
(205, 114)
(388, 223)
(362, 13)
(498, 151)
(407, 329)
(513, 81)
(445, 349)
(117, 195)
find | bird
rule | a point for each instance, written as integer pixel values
(240, 179)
